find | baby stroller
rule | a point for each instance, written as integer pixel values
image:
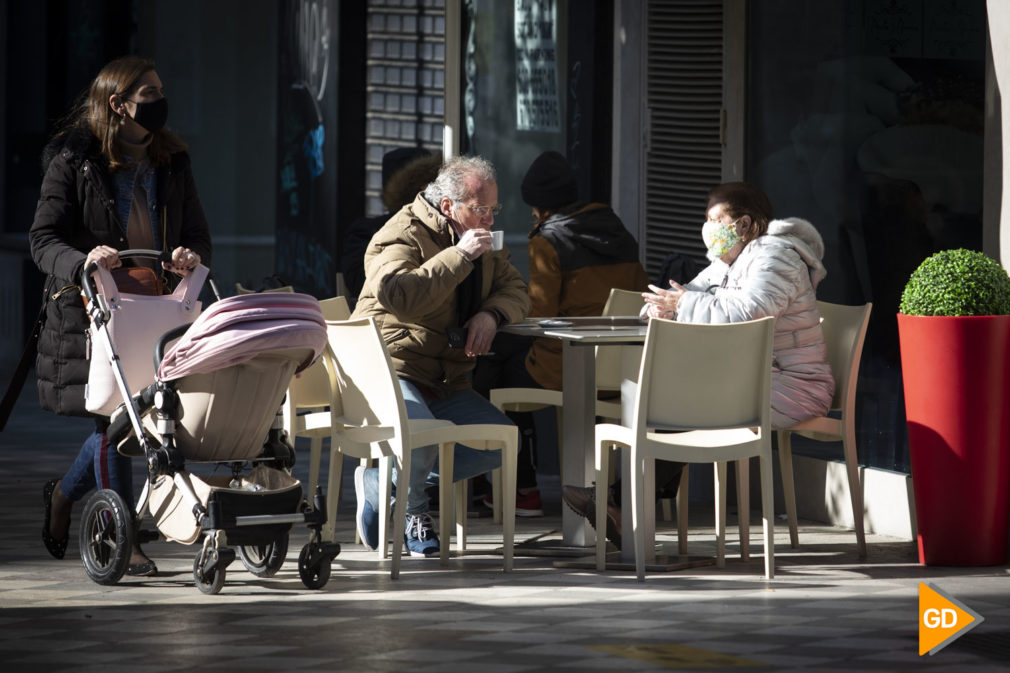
(215, 400)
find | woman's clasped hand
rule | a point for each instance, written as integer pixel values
(662, 303)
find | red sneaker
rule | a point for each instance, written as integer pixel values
(527, 504)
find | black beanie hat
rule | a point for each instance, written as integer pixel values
(550, 182)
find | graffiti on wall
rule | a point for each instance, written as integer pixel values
(306, 180)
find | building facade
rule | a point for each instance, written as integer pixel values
(877, 120)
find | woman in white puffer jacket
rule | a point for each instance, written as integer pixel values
(761, 267)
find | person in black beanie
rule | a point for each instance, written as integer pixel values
(578, 251)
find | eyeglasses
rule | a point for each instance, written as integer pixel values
(484, 211)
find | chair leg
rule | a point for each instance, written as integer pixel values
(666, 504)
(682, 500)
(333, 492)
(496, 494)
(364, 462)
(559, 415)
(720, 514)
(768, 513)
(788, 485)
(329, 528)
(855, 484)
(446, 510)
(509, 460)
(315, 457)
(602, 485)
(637, 513)
(385, 478)
(743, 506)
(459, 514)
(399, 512)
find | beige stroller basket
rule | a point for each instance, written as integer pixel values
(224, 416)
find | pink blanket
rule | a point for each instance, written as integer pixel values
(237, 329)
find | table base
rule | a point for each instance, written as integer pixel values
(549, 544)
(584, 558)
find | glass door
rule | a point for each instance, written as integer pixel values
(524, 88)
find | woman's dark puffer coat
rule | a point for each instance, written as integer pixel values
(76, 212)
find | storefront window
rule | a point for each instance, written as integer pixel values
(513, 97)
(866, 118)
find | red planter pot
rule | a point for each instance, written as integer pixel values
(956, 374)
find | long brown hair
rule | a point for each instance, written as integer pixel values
(119, 77)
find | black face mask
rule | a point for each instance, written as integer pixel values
(153, 115)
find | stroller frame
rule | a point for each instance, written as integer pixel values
(228, 515)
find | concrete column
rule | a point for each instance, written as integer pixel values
(999, 37)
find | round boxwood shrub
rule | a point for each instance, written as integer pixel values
(957, 283)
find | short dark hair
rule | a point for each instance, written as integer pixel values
(739, 199)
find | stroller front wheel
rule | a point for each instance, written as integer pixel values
(106, 537)
(314, 566)
(208, 580)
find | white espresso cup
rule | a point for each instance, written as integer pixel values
(497, 239)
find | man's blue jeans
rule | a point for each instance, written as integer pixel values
(462, 408)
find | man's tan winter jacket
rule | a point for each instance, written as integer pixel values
(412, 271)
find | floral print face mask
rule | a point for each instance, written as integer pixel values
(719, 238)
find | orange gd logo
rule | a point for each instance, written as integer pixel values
(942, 619)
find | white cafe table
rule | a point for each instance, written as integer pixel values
(579, 338)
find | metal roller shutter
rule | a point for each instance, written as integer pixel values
(405, 84)
(684, 75)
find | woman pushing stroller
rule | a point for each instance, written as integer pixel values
(115, 178)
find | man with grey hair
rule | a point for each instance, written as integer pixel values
(438, 293)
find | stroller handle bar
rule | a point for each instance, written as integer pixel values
(88, 283)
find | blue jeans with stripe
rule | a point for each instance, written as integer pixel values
(99, 465)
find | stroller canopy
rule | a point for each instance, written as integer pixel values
(237, 329)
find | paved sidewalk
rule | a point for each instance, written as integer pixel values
(825, 611)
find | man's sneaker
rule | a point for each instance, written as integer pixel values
(367, 515)
(582, 501)
(527, 504)
(420, 536)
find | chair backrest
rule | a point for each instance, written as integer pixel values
(844, 330)
(311, 388)
(367, 391)
(608, 358)
(623, 302)
(335, 308)
(242, 289)
(705, 376)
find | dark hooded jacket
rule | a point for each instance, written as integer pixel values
(576, 257)
(76, 212)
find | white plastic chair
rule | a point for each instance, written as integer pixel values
(702, 396)
(369, 420)
(844, 332)
(310, 391)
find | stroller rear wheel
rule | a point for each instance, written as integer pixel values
(264, 560)
(106, 537)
